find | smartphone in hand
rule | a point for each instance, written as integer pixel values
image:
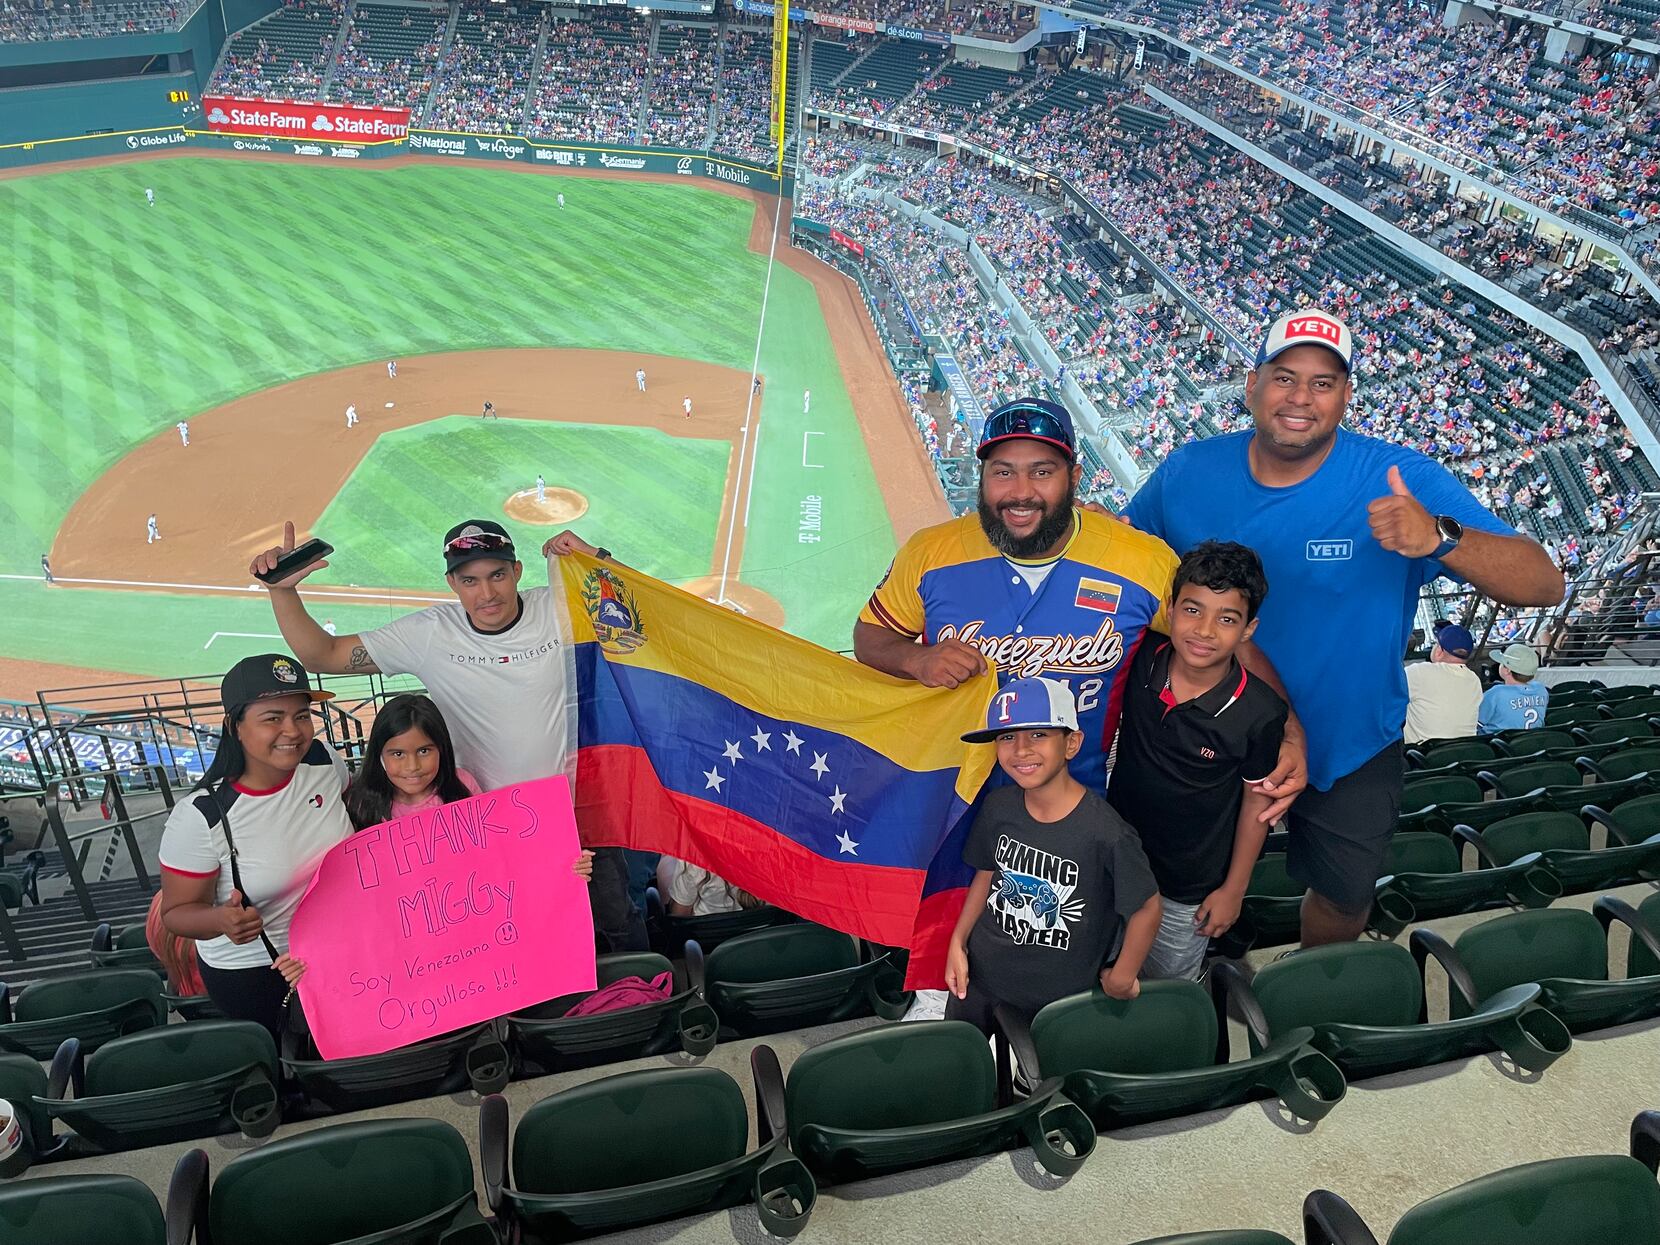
(295, 559)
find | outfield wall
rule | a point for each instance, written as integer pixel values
(508, 148)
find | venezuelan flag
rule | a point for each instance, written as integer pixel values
(813, 782)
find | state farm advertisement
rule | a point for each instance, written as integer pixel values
(339, 123)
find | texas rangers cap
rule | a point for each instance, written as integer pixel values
(262, 677)
(1307, 327)
(1028, 705)
(1520, 659)
(477, 538)
(1036, 419)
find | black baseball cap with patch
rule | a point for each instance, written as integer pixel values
(477, 538)
(263, 677)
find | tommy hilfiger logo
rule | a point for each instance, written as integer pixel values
(317, 801)
(505, 659)
(1330, 550)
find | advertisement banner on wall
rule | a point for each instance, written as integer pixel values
(917, 34)
(861, 24)
(851, 244)
(329, 123)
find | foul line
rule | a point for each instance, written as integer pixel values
(241, 635)
(804, 462)
(309, 592)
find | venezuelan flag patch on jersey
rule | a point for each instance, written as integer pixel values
(1098, 594)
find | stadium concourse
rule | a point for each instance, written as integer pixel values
(1103, 205)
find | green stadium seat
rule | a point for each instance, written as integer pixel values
(473, 1059)
(128, 949)
(23, 1082)
(1426, 882)
(80, 1210)
(1615, 729)
(1572, 715)
(1433, 755)
(1446, 789)
(654, 1145)
(1154, 1057)
(670, 934)
(1627, 691)
(386, 1182)
(793, 976)
(1626, 763)
(173, 1083)
(93, 1007)
(1637, 706)
(1519, 743)
(1563, 950)
(1629, 822)
(1364, 1002)
(1271, 913)
(1562, 843)
(1574, 696)
(192, 1006)
(1521, 779)
(1443, 818)
(1586, 1200)
(910, 1095)
(544, 1040)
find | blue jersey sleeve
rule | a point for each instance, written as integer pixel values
(1146, 509)
(1439, 492)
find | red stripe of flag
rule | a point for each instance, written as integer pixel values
(621, 803)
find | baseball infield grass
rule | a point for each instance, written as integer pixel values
(462, 459)
(121, 319)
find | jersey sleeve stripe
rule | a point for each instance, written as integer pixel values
(189, 873)
(888, 620)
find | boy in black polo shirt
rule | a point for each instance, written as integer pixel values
(1058, 875)
(1197, 732)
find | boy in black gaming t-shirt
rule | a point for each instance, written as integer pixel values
(1058, 874)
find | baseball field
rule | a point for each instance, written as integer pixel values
(259, 298)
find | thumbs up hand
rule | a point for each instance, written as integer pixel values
(1400, 523)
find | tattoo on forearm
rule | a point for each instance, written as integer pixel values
(360, 659)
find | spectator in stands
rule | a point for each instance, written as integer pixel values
(236, 858)
(1197, 734)
(1346, 572)
(510, 719)
(1007, 947)
(1517, 701)
(1443, 693)
(694, 891)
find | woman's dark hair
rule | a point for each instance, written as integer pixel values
(229, 760)
(369, 798)
(1223, 566)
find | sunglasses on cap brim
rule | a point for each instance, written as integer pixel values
(484, 542)
(1027, 421)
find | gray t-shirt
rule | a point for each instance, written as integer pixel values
(1060, 894)
(503, 694)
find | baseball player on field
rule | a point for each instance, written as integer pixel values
(351, 415)
(561, 199)
(806, 401)
(640, 379)
(686, 402)
(391, 369)
(489, 411)
(541, 489)
(151, 534)
(150, 196)
(184, 431)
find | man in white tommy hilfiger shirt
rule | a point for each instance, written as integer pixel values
(494, 663)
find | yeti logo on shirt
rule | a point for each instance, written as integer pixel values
(1032, 898)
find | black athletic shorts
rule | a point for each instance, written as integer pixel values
(1339, 838)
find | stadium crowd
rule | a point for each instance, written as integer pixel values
(593, 73)
(37, 21)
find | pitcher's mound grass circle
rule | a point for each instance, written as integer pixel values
(558, 505)
(751, 602)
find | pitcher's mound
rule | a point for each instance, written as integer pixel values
(752, 602)
(559, 505)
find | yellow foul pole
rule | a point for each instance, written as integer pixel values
(780, 78)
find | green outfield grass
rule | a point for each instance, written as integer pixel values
(469, 467)
(120, 319)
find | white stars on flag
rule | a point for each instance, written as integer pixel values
(763, 740)
(715, 779)
(732, 753)
(837, 800)
(818, 766)
(793, 742)
(847, 845)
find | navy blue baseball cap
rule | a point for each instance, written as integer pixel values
(1036, 419)
(1028, 705)
(1455, 641)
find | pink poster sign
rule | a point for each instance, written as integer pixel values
(443, 919)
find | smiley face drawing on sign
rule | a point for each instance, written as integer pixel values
(507, 933)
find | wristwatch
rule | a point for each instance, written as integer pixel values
(1451, 532)
(604, 554)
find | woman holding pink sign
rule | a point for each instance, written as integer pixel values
(237, 855)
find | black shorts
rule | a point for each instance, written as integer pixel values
(1340, 837)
